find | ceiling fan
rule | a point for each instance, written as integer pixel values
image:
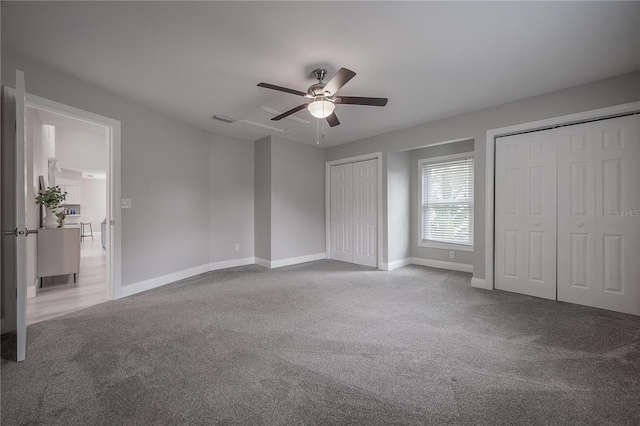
(324, 97)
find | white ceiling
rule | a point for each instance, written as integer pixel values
(431, 59)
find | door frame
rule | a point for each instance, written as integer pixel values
(358, 158)
(113, 183)
(490, 147)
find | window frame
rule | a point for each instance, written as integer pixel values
(441, 244)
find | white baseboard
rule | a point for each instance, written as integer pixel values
(480, 283)
(396, 264)
(224, 264)
(130, 289)
(452, 266)
(295, 260)
(31, 291)
(262, 262)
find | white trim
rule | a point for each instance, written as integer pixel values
(490, 165)
(224, 264)
(441, 264)
(396, 264)
(31, 291)
(480, 283)
(295, 260)
(139, 287)
(272, 264)
(262, 262)
(114, 277)
(444, 246)
(364, 157)
(445, 158)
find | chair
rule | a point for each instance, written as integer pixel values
(82, 232)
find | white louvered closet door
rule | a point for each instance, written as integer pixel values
(525, 214)
(599, 227)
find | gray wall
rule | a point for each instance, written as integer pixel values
(231, 198)
(428, 252)
(474, 125)
(398, 209)
(166, 171)
(297, 199)
(262, 197)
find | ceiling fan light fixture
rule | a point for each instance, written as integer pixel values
(321, 108)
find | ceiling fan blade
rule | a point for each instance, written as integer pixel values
(333, 120)
(357, 100)
(288, 113)
(341, 78)
(281, 89)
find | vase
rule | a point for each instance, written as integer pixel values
(50, 219)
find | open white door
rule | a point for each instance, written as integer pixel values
(14, 243)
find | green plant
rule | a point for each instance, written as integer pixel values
(51, 197)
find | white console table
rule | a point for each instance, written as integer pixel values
(58, 252)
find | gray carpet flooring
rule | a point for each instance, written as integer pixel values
(328, 343)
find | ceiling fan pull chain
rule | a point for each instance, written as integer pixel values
(317, 132)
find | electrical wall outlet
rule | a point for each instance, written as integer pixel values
(126, 203)
(452, 255)
(237, 247)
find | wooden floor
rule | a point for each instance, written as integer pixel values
(60, 295)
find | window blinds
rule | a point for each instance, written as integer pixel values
(447, 201)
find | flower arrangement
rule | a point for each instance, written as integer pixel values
(51, 198)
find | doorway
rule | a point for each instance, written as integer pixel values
(354, 206)
(79, 152)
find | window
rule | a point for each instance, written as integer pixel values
(447, 202)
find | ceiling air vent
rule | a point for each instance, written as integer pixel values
(223, 118)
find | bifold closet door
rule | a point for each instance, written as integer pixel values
(342, 212)
(525, 214)
(365, 184)
(354, 212)
(598, 224)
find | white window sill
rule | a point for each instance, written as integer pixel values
(445, 246)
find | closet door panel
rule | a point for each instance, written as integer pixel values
(599, 228)
(617, 222)
(342, 212)
(365, 180)
(576, 214)
(525, 220)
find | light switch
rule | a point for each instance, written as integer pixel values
(126, 203)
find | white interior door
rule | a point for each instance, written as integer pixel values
(342, 212)
(525, 214)
(598, 205)
(14, 217)
(365, 199)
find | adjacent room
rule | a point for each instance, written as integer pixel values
(320, 213)
(66, 272)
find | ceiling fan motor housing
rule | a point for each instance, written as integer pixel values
(316, 89)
